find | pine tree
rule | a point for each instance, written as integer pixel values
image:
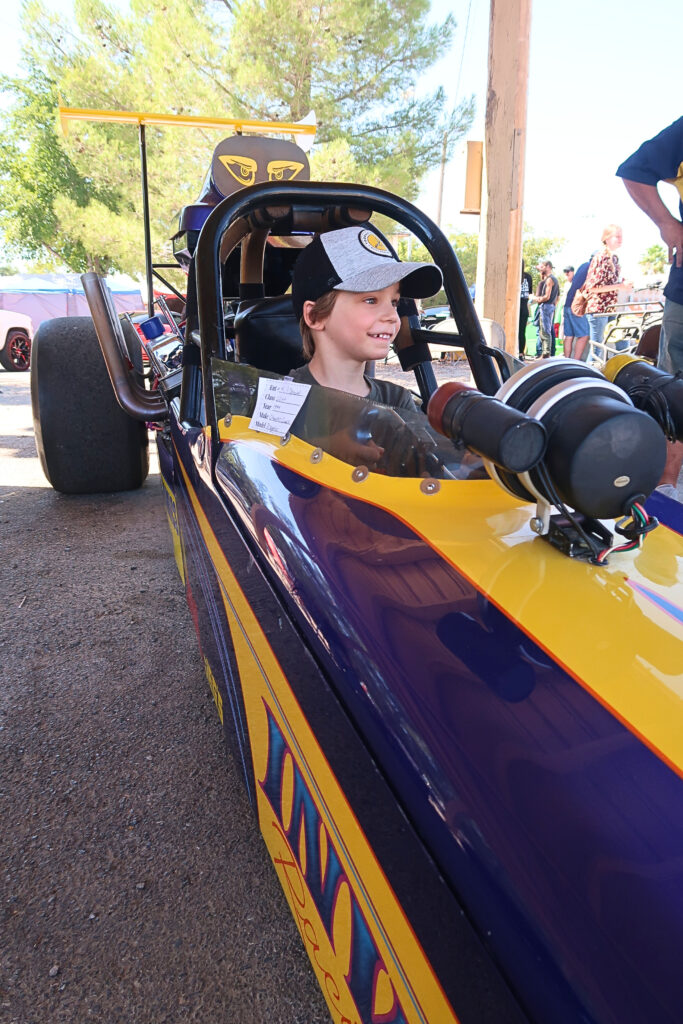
(78, 199)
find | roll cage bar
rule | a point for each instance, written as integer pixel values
(283, 209)
(297, 206)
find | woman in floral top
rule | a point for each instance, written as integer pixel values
(603, 274)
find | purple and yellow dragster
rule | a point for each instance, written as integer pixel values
(453, 679)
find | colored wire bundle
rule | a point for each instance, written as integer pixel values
(634, 528)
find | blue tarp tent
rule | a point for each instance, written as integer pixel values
(44, 296)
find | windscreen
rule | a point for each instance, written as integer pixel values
(353, 429)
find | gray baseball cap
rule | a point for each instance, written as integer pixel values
(357, 259)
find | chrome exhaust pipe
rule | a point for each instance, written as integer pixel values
(131, 396)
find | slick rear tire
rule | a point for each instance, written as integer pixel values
(86, 443)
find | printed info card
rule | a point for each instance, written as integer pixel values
(277, 404)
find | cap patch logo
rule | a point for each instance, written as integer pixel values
(373, 243)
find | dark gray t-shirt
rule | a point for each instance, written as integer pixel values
(384, 392)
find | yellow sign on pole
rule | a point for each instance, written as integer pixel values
(473, 170)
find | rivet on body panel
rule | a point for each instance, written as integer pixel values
(227, 419)
(316, 455)
(430, 486)
(359, 474)
(285, 439)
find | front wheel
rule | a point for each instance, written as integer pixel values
(16, 352)
(86, 443)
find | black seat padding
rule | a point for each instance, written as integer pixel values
(267, 334)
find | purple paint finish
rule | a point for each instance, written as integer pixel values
(192, 217)
(557, 828)
(667, 510)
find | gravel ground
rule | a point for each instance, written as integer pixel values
(135, 885)
(444, 369)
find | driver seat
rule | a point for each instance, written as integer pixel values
(267, 334)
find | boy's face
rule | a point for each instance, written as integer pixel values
(362, 325)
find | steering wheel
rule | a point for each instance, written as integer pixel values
(406, 451)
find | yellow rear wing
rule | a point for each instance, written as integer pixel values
(305, 128)
(239, 125)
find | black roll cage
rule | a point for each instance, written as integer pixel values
(284, 209)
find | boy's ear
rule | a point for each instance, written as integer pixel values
(315, 325)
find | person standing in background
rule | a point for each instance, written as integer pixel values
(575, 328)
(661, 159)
(526, 289)
(601, 287)
(547, 295)
(568, 273)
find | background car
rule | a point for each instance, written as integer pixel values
(16, 336)
(434, 315)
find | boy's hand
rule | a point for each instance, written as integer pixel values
(343, 445)
(368, 454)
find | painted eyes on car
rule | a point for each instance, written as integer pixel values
(283, 170)
(244, 169)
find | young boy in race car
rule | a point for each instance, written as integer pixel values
(346, 289)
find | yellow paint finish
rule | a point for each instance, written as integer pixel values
(615, 642)
(264, 684)
(172, 516)
(213, 686)
(678, 181)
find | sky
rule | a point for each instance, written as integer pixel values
(601, 81)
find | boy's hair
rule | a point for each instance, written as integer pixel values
(320, 310)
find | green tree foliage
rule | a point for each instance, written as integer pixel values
(356, 62)
(654, 260)
(78, 199)
(466, 246)
(33, 170)
(539, 247)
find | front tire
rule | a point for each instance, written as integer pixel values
(86, 443)
(15, 355)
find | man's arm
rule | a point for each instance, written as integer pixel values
(545, 294)
(670, 228)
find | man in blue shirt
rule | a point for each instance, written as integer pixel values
(575, 328)
(661, 159)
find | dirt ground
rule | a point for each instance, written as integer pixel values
(135, 885)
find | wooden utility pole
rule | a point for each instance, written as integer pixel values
(499, 264)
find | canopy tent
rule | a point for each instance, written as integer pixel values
(44, 296)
